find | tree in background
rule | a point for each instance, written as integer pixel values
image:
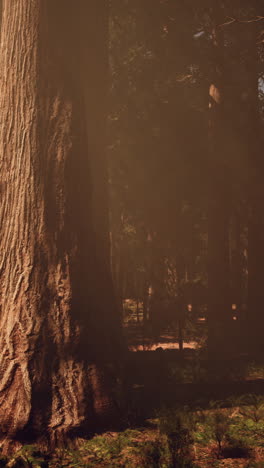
(184, 195)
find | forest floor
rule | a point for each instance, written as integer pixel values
(188, 421)
(216, 437)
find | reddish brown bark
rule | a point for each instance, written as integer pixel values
(55, 331)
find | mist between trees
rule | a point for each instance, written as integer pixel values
(131, 143)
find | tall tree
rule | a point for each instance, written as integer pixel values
(235, 134)
(55, 329)
(252, 137)
(219, 307)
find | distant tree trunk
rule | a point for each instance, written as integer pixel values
(181, 274)
(255, 317)
(157, 280)
(56, 333)
(253, 140)
(219, 307)
(237, 261)
(146, 303)
(181, 327)
(121, 281)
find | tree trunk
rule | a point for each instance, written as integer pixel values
(255, 315)
(238, 286)
(219, 307)
(253, 140)
(55, 331)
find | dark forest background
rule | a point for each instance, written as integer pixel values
(186, 160)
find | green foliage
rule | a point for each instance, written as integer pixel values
(152, 454)
(219, 423)
(28, 457)
(177, 419)
(127, 449)
(184, 437)
(110, 446)
(252, 407)
(234, 429)
(250, 433)
(254, 464)
(178, 425)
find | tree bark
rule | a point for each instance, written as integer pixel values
(219, 306)
(253, 142)
(55, 331)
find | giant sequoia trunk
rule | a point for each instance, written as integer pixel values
(55, 329)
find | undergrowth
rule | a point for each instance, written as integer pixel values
(225, 434)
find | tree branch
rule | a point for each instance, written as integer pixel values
(232, 20)
(236, 20)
